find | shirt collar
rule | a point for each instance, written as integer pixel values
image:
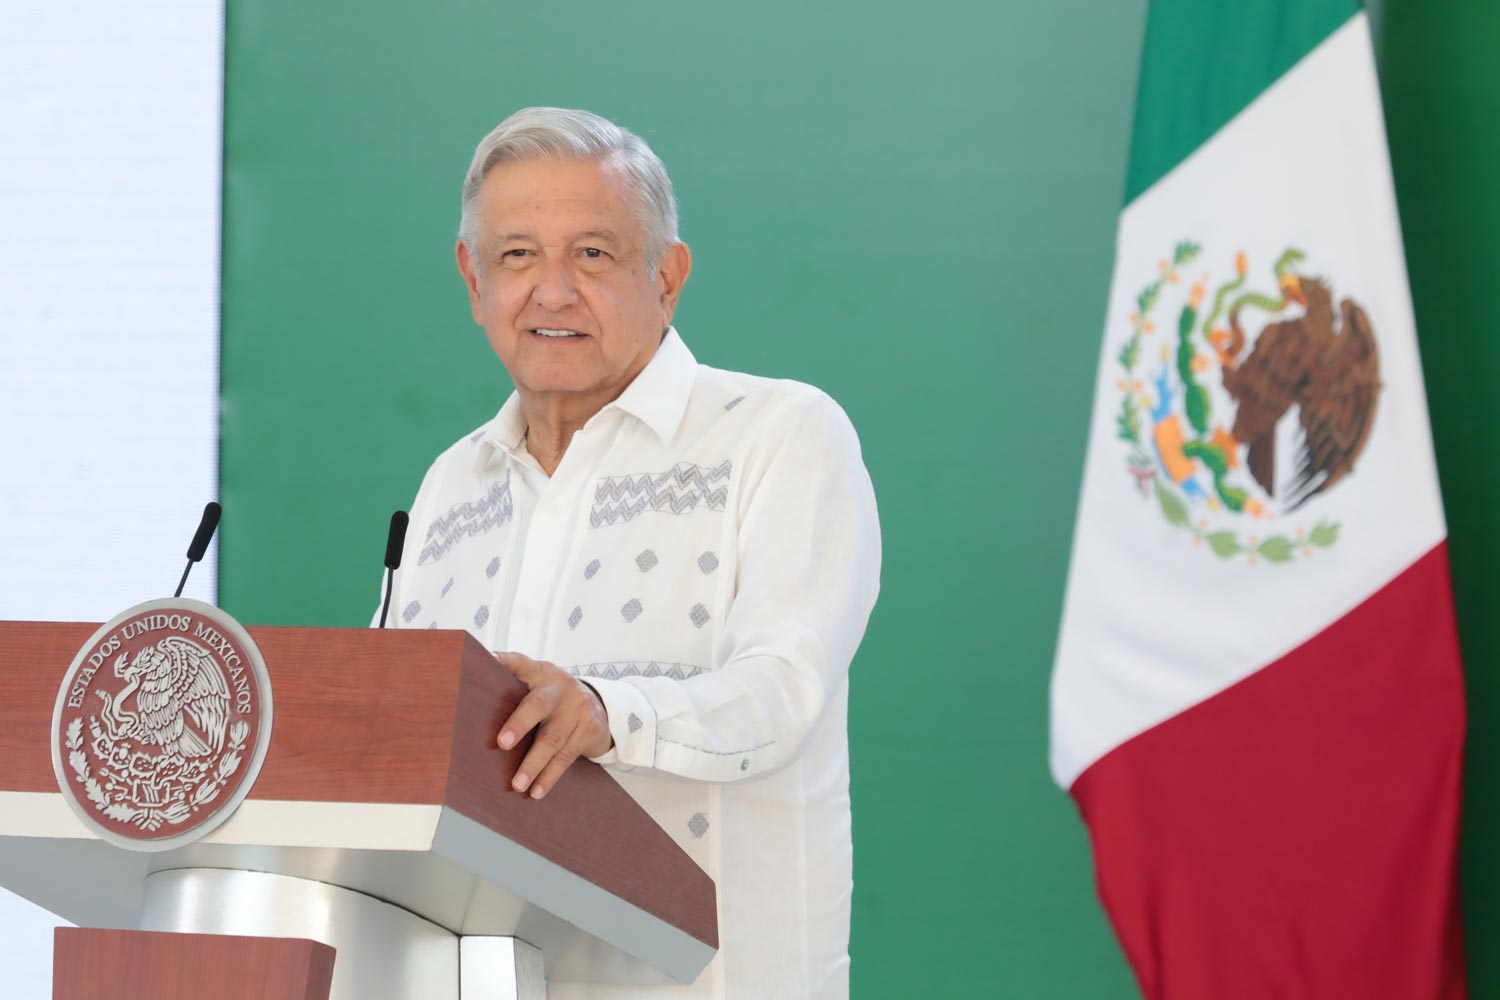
(657, 397)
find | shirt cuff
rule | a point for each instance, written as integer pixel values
(632, 723)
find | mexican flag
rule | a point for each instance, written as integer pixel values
(1257, 700)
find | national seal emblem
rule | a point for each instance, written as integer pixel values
(161, 724)
(1232, 432)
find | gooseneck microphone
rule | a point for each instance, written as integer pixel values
(211, 512)
(393, 543)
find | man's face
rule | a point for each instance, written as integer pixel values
(561, 284)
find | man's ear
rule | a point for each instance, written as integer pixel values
(467, 269)
(671, 274)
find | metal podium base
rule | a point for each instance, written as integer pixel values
(383, 951)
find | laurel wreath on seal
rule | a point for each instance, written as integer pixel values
(125, 791)
(1224, 543)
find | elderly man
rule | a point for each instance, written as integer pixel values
(677, 561)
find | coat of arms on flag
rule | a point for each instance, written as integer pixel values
(1257, 697)
(1246, 403)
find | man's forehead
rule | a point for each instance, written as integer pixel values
(532, 199)
(553, 180)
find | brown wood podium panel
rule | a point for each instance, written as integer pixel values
(361, 715)
(147, 965)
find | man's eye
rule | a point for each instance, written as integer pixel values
(514, 253)
(593, 253)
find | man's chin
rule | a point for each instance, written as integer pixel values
(549, 381)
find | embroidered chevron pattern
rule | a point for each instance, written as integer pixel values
(680, 490)
(465, 520)
(636, 668)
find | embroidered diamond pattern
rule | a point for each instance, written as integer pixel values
(590, 570)
(634, 722)
(481, 616)
(466, 520)
(682, 489)
(698, 825)
(699, 615)
(574, 617)
(646, 560)
(631, 610)
(410, 612)
(447, 587)
(736, 401)
(635, 668)
(492, 568)
(708, 562)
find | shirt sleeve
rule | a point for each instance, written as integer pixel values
(807, 539)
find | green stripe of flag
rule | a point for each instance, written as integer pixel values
(1204, 61)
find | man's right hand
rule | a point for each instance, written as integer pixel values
(567, 714)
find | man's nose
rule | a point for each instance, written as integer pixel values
(555, 288)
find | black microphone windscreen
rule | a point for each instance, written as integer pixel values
(211, 512)
(395, 540)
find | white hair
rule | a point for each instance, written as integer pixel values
(565, 134)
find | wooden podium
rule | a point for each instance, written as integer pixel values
(382, 825)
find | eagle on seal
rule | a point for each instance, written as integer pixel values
(1331, 374)
(181, 695)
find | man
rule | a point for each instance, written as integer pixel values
(678, 562)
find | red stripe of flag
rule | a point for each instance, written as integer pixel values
(1296, 835)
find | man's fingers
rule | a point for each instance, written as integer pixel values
(533, 709)
(568, 718)
(551, 743)
(522, 667)
(556, 768)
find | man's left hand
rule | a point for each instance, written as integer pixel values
(569, 719)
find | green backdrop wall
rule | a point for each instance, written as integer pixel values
(1441, 87)
(911, 207)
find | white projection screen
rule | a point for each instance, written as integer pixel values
(110, 122)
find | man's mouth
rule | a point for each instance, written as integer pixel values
(552, 334)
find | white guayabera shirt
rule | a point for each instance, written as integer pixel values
(706, 556)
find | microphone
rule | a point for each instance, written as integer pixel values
(199, 545)
(393, 542)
